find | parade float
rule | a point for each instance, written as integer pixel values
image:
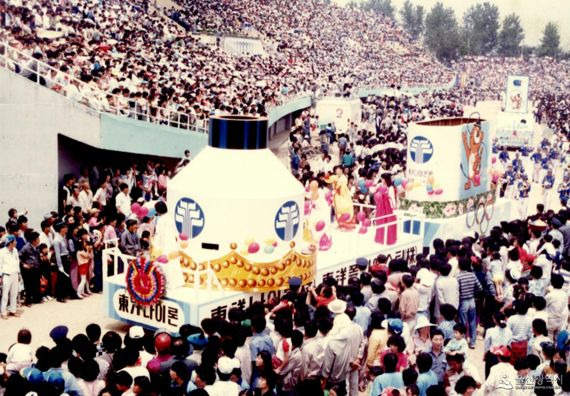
(237, 226)
(450, 179)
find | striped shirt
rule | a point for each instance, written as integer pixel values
(468, 285)
(520, 326)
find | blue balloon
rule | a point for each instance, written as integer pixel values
(429, 188)
(397, 181)
(151, 212)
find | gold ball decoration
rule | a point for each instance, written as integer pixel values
(242, 283)
(247, 267)
(239, 263)
(281, 266)
(264, 271)
(225, 264)
(193, 266)
(270, 282)
(255, 270)
(233, 282)
(233, 246)
(201, 267)
(216, 267)
(292, 244)
(224, 282)
(280, 281)
(233, 260)
(273, 270)
(261, 282)
(251, 283)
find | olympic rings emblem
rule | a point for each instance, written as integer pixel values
(480, 214)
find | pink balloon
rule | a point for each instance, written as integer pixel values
(360, 216)
(366, 223)
(404, 183)
(143, 211)
(477, 178)
(368, 183)
(493, 160)
(162, 259)
(320, 225)
(253, 247)
(135, 208)
(345, 217)
(439, 191)
(363, 230)
(183, 237)
(430, 192)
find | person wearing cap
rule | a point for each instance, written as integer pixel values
(224, 386)
(547, 187)
(338, 358)
(502, 379)
(421, 339)
(10, 271)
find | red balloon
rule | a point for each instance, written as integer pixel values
(253, 247)
(345, 217)
(162, 342)
(477, 178)
(320, 225)
(143, 211)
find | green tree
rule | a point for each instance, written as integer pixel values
(480, 29)
(550, 42)
(511, 36)
(441, 32)
(412, 18)
(383, 7)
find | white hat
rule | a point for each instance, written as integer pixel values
(227, 365)
(423, 322)
(337, 306)
(136, 332)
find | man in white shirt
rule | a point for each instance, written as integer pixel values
(556, 307)
(10, 270)
(224, 386)
(502, 379)
(123, 200)
(446, 290)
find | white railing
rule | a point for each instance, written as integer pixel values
(91, 96)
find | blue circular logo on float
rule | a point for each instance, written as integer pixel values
(287, 221)
(189, 217)
(421, 150)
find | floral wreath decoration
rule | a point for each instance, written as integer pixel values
(145, 281)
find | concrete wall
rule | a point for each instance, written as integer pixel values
(31, 119)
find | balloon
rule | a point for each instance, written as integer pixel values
(345, 217)
(268, 249)
(253, 247)
(270, 241)
(308, 208)
(135, 208)
(493, 160)
(430, 179)
(410, 187)
(151, 212)
(477, 178)
(363, 230)
(320, 225)
(417, 183)
(183, 237)
(360, 216)
(404, 183)
(429, 188)
(162, 259)
(369, 183)
(430, 192)
(143, 211)
(397, 181)
(439, 191)
(274, 244)
(366, 223)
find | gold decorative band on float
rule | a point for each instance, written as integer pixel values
(238, 273)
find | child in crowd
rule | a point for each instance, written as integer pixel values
(458, 344)
(447, 325)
